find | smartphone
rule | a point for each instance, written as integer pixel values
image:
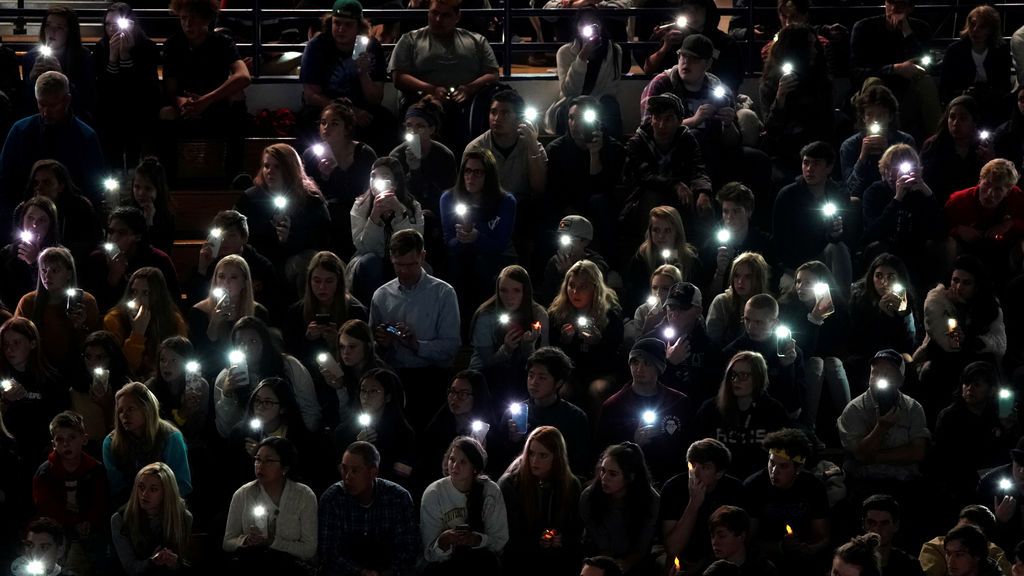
(323, 319)
(392, 329)
(885, 398)
(75, 296)
(360, 46)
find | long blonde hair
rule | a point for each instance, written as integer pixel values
(759, 268)
(604, 297)
(685, 251)
(154, 434)
(172, 514)
(247, 305)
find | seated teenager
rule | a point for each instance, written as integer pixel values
(588, 318)
(590, 165)
(987, 220)
(882, 305)
(384, 209)
(784, 494)
(229, 298)
(151, 194)
(287, 213)
(952, 158)
(976, 63)
(548, 370)
(815, 310)
(858, 557)
(576, 241)
(127, 249)
(151, 531)
(665, 242)
(272, 521)
(620, 508)
(356, 355)
(259, 357)
(796, 93)
(141, 437)
(689, 499)
(462, 516)
(742, 414)
(902, 212)
(331, 69)
(477, 221)
(79, 226)
(645, 411)
(691, 358)
(740, 235)
(38, 230)
(505, 330)
(652, 312)
(1006, 502)
(184, 395)
(467, 413)
(145, 316)
(34, 390)
(340, 166)
(878, 118)
(383, 424)
(270, 412)
(65, 320)
(880, 514)
(786, 374)
(542, 504)
(429, 165)
(233, 240)
(966, 548)
(749, 275)
(46, 545)
(93, 390)
(71, 488)
(963, 323)
(730, 532)
(311, 324)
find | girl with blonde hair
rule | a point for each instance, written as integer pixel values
(749, 275)
(151, 532)
(664, 243)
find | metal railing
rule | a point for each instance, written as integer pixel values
(257, 17)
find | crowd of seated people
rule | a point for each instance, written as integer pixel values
(752, 335)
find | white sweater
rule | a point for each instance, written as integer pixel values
(296, 518)
(938, 309)
(443, 508)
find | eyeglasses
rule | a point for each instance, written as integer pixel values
(474, 172)
(460, 394)
(259, 402)
(735, 376)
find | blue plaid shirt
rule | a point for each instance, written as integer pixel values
(383, 536)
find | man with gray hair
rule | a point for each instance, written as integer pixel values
(54, 133)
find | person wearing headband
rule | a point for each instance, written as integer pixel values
(789, 505)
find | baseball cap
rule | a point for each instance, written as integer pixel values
(348, 9)
(684, 295)
(667, 99)
(891, 356)
(576, 226)
(697, 45)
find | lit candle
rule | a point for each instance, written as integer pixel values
(951, 324)
(789, 531)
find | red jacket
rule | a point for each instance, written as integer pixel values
(964, 209)
(55, 491)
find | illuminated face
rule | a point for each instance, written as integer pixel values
(267, 466)
(743, 280)
(332, 127)
(883, 279)
(881, 523)
(991, 194)
(372, 396)
(474, 176)
(962, 285)
(408, 267)
(459, 468)
(663, 234)
(510, 293)
(232, 279)
(143, 190)
(643, 372)
(266, 407)
(540, 383)
(139, 291)
(959, 561)
(503, 119)
(735, 216)
(725, 544)
(960, 123)
(357, 476)
(782, 472)
(42, 547)
(815, 170)
(37, 221)
(56, 32)
(580, 292)
(121, 235)
(758, 323)
(344, 31)
(54, 275)
(741, 379)
(171, 365)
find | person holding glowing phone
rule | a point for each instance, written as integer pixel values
(39, 228)
(878, 116)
